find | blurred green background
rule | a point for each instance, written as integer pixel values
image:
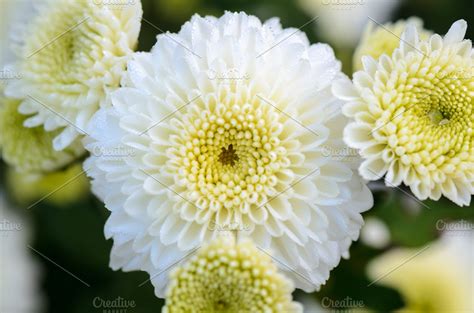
(72, 234)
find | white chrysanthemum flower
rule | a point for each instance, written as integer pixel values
(30, 149)
(19, 292)
(210, 130)
(384, 39)
(226, 276)
(70, 55)
(436, 278)
(341, 22)
(413, 115)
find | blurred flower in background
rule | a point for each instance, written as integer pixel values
(375, 233)
(60, 188)
(436, 278)
(30, 150)
(384, 39)
(70, 53)
(19, 274)
(341, 22)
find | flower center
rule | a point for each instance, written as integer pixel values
(70, 45)
(220, 305)
(228, 156)
(437, 117)
(438, 120)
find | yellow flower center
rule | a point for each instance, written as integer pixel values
(65, 44)
(229, 155)
(433, 120)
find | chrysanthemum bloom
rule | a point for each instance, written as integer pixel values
(226, 276)
(59, 188)
(384, 39)
(70, 55)
(226, 126)
(413, 116)
(30, 149)
(437, 278)
(19, 274)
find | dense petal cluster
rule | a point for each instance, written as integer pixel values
(229, 277)
(384, 39)
(440, 277)
(30, 149)
(230, 124)
(70, 55)
(413, 115)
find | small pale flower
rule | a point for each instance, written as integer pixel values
(227, 126)
(30, 149)
(378, 40)
(70, 55)
(412, 115)
(231, 277)
(375, 233)
(436, 278)
(19, 273)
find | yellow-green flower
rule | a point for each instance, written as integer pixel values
(229, 277)
(71, 53)
(413, 115)
(378, 40)
(437, 278)
(30, 149)
(61, 187)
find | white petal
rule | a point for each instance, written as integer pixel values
(456, 33)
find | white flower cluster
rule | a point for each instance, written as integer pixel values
(236, 128)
